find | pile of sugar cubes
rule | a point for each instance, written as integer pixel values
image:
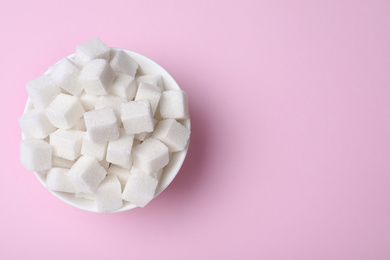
(100, 130)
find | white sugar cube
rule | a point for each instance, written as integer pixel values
(108, 194)
(96, 77)
(104, 164)
(59, 162)
(174, 104)
(157, 175)
(35, 125)
(65, 74)
(122, 63)
(124, 86)
(111, 101)
(101, 125)
(88, 101)
(154, 79)
(149, 92)
(80, 125)
(121, 173)
(67, 143)
(91, 148)
(173, 134)
(150, 156)
(119, 150)
(86, 174)
(57, 180)
(35, 154)
(137, 117)
(86, 196)
(140, 188)
(42, 91)
(145, 135)
(92, 49)
(65, 111)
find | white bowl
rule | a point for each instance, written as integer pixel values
(146, 66)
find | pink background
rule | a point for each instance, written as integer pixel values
(290, 108)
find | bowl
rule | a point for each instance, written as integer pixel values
(146, 66)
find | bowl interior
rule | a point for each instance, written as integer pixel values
(146, 66)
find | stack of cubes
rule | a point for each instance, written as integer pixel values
(101, 130)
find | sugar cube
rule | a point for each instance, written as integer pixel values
(121, 173)
(104, 164)
(119, 150)
(80, 125)
(67, 143)
(101, 125)
(150, 156)
(124, 86)
(86, 196)
(140, 188)
(108, 194)
(149, 92)
(174, 104)
(96, 77)
(137, 117)
(65, 111)
(88, 101)
(91, 148)
(121, 62)
(111, 101)
(57, 180)
(35, 154)
(65, 74)
(42, 91)
(92, 49)
(59, 162)
(86, 174)
(154, 79)
(173, 134)
(35, 125)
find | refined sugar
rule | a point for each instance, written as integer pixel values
(140, 188)
(80, 125)
(59, 162)
(154, 79)
(122, 63)
(83, 195)
(150, 156)
(65, 74)
(35, 125)
(92, 49)
(67, 143)
(145, 135)
(88, 101)
(96, 77)
(42, 91)
(121, 173)
(173, 134)
(57, 180)
(119, 150)
(157, 175)
(97, 150)
(35, 154)
(65, 111)
(174, 104)
(111, 101)
(124, 86)
(108, 194)
(101, 125)
(137, 117)
(86, 174)
(149, 92)
(104, 164)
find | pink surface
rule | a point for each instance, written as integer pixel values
(290, 107)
